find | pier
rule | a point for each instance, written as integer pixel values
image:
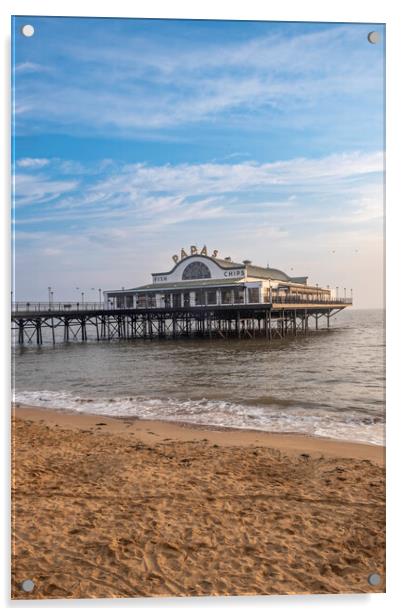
(35, 322)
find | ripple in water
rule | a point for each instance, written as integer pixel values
(331, 384)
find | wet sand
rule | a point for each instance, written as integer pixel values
(107, 507)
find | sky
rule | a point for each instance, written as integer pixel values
(135, 138)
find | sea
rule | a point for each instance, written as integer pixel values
(330, 383)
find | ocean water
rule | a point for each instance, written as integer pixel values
(327, 384)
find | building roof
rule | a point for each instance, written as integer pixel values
(266, 272)
(188, 284)
(255, 271)
(225, 264)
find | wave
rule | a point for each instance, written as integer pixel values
(341, 425)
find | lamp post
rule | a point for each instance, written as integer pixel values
(337, 292)
(82, 298)
(100, 295)
(49, 290)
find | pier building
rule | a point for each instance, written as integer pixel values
(199, 279)
(201, 295)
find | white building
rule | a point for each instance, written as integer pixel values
(198, 279)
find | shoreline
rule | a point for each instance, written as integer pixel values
(155, 430)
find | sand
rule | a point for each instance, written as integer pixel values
(105, 507)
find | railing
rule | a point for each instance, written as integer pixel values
(55, 306)
(42, 307)
(296, 299)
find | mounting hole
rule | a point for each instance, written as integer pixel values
(374, 579)
(373, 37)
(28, 30)
(27, 585)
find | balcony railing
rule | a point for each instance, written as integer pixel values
(54, 307)
(296, 299)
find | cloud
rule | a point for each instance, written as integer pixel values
(29, 67)
(137, 83)
(37, 189)
(153, 197)
(35, 163)
(327, 173)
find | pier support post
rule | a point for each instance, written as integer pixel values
(238, 324)
(38, 331)
(20, 331)
(83, 330)
(269, 324)
(66, 330)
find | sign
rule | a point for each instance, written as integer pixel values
(234, 273)
(193, 251)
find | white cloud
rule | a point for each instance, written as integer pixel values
(30, 67)
(148, 88)
(35, 163)
(36, 189)
(202, 179)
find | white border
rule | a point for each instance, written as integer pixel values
(387, 11)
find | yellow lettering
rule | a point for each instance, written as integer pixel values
(204, 251)
(175, 258)
(193, 250)
(215, 253)
(183, 254)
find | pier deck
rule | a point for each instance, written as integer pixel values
(64, 322)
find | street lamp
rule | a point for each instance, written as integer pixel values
(82, 297)
(49, 290)
(337, 292)
(100, 295)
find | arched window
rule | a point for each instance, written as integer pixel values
(196, 270)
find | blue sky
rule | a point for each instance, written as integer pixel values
(133, 138)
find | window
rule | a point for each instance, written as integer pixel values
(199, 298)
(146, 300)
(195, 271)
(253, 295)
(176, 300)
(211, 297)
(239, 295)
(226, 296)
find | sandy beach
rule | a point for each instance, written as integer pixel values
(108, 507)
